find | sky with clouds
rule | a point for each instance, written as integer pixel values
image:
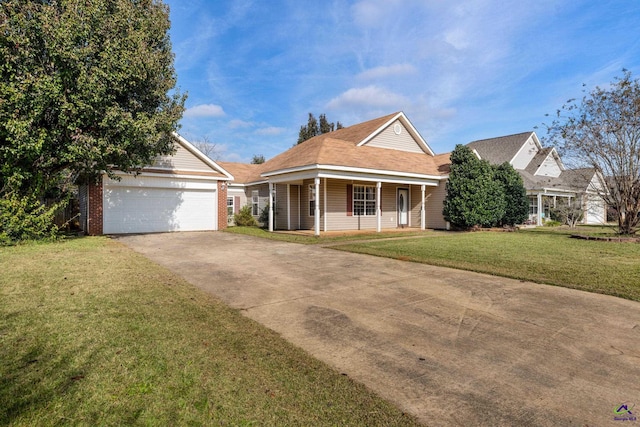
(460, 70)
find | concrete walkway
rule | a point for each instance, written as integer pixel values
(451, 347)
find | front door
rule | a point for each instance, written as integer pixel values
(403, 207)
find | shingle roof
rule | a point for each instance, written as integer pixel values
(537, 160)
(243, 172)
(340, 148)
(499, 150)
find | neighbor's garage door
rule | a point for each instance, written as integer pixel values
(146, 204)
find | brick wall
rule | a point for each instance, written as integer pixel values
(95, 209)
(222, 205)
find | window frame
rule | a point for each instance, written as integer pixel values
(255, 202)
(364, 200)
(312, 200)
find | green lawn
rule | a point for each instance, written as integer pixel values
(541, 255)
(92, 333)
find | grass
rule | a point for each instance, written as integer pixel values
(92, 333)
(540, 255)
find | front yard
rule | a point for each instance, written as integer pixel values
(539, 255)
(92, 333)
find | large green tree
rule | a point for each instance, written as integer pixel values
(85, 86)
(474, 196)
(315, 127)
(602, 131)
(515, 195)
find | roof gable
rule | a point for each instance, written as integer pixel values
(188, 159)
(501, 149)
(397, 133)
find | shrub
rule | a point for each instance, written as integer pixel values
(26, 218)
(244, 217)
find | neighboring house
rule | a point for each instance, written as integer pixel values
(544, 176)
(186, 191)
(373, 175)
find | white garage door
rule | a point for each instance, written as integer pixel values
(158, 204)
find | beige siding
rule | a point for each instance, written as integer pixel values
(183, 159)
(306, 220)
(389, 139)
(416, 201)
(280, 211)
(434, 204)
(295, 205)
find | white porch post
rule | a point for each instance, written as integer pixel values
(317, 208)
(288, 206)
(324, 202)
(270, 206)
(423, 215)
(378, 206)
(540, 209)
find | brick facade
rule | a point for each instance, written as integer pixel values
(95, 209)
(222, 205)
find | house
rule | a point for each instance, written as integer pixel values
(544, 176)
(369, 176)
(185, 191)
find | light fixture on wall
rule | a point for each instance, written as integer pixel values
(223, 185)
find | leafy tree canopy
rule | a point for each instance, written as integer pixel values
(315, 127)
(84, 87)
(515, 195)
(602, 131)
(473, 197)
(257, 159)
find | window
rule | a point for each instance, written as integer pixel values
(230, 209)
(312, 200)
(255, 203)
(364, 200)
(533, 205)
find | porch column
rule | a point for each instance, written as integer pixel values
(288, 206)
(378, 206)
(317, 208)
(422, 212)
(324, 202)
(270, 206)
(540, 209)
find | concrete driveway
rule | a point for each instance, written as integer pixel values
(451, 347)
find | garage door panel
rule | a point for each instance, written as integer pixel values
(146, 210)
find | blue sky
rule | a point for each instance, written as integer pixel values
(460, 70)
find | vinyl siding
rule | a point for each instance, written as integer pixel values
(388, 139)
(525, 155)
(280, 211)
(307, 221)
(183, 160)
(415, 196)
(293, 199)
(433, 206)
(549, 167)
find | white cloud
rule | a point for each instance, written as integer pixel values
(370, 96)
(205, 110)
(271, 130)
(240, 124)
(387, 71)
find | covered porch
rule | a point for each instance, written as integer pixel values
(542, 202)
(326, 201)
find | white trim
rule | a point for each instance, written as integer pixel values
(325, 170)
(324, 199)
(556, 157)
(378, 206)
(536, 142)
(270, 206)
(200, 155)
(317, 207)
(168, 175)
